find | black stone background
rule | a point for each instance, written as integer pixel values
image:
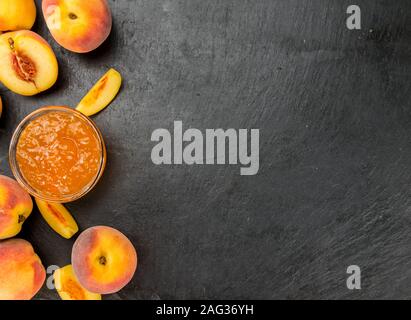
(333, 107)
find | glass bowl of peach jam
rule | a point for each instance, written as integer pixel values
(57, 154)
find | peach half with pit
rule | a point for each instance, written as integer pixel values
(104, 260)
(78, 25)
(28, 65)
(22, 273)
(15, 207)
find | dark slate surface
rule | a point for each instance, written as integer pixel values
(333, 107)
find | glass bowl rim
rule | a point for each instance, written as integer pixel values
(15, 167)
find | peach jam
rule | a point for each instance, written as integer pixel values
(59, 154)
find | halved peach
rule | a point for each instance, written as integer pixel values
(104, 260)
(28, 65)
(102, 94)
(58, 218)
(69, 288)
(22, 273)
(17, 14)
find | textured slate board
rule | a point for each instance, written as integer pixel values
(333, 107)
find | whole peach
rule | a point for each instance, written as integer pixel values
(78, 25)
(17, 14)
(15, 206)
(104, 260)
(22, 274)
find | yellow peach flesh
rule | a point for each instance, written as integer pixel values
(58, 218)
(102, 94)
(28, 65)
(69, 288)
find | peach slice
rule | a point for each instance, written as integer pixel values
(15, 207)
(102, 94)
(58, 218)
(22, 274)
(104, 260)
(78, 25)
(17, 14)
(68, 286)
(28, 65)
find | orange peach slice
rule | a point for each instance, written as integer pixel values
(69, 288)
(17, 14)
(102, 94)
(104, 260)
(15, 207)
(58, 218)
(78, 25)
(28, 65)
(22, 274)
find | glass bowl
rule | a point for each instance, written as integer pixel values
(19, 175)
